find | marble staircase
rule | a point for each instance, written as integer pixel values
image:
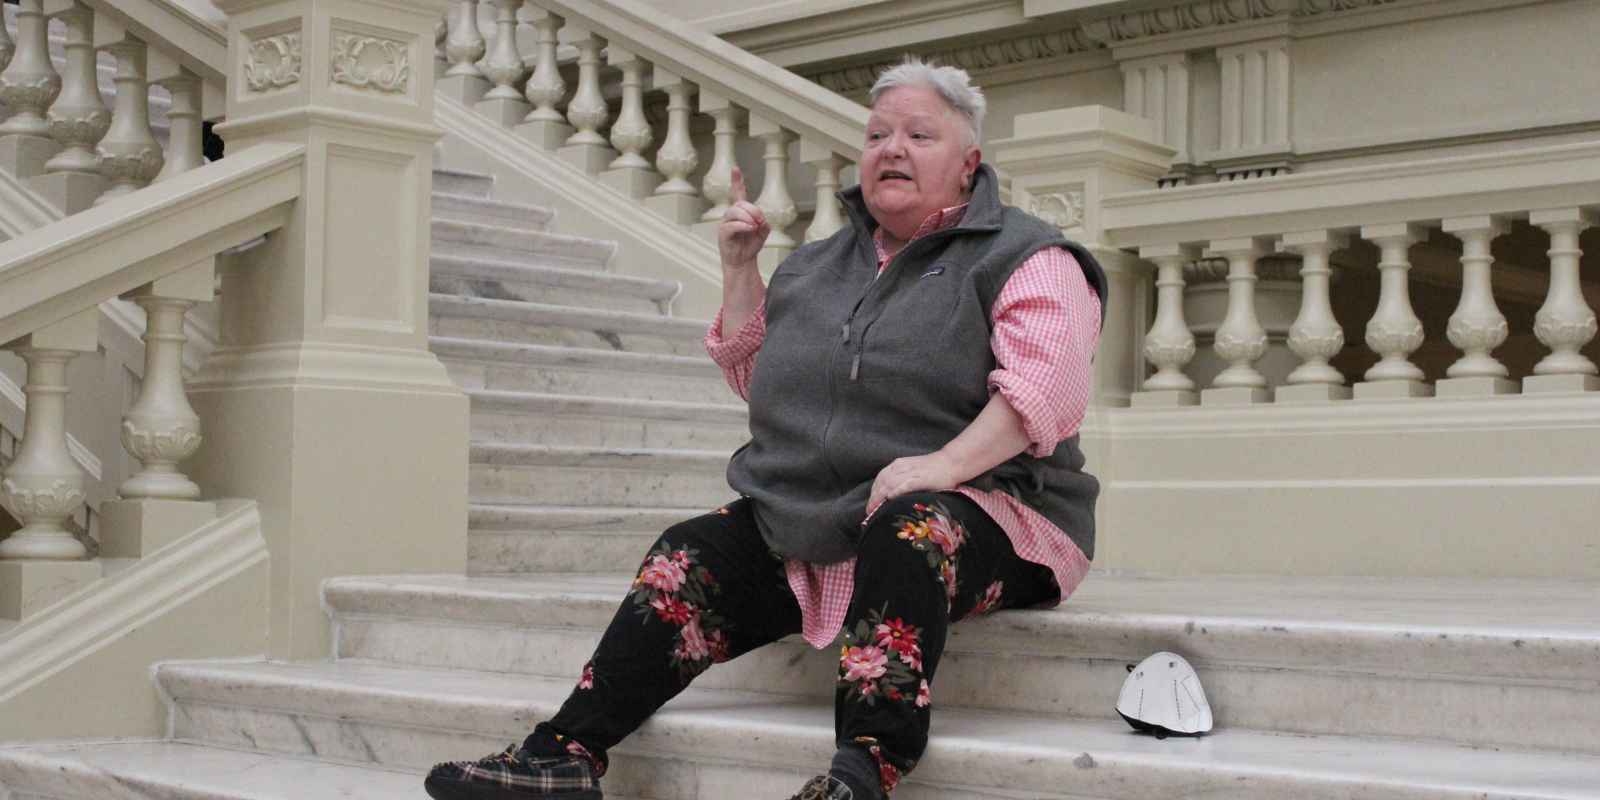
(597, 421)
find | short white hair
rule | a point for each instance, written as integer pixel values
(953, 84)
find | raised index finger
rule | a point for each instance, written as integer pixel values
(740, 194)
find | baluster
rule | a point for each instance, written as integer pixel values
(1170, 344)
(28, 87)
(8, 48)
(775, 201)
(676, 199)
(161, 428)
(544, 125)
(827, 218)
(718, 182)
(587, 111)
(1477, 327)
(185, 149)
(441, 32)
(464, 45)
(630, 172)
(130, 156)
(1240, 339)
(1315, 335)
(1565, 322)
(1394, 332)
(504, 67)
(78, 119)
(43, 483)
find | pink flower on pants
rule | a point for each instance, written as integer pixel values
(586, 681)
(863, 663)
(671, 609)
(662, 573)
(924, 697)
(946, 533)
(694, 647)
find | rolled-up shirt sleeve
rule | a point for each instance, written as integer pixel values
(736, 355)
(1046, 327)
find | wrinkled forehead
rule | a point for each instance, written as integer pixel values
(904, 103)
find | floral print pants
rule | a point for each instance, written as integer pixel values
(710, 590)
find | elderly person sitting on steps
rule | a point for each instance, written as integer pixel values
(915, 384)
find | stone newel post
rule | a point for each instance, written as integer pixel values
(1062, 164)
(323, 401)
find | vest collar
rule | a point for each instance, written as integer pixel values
(983, 209)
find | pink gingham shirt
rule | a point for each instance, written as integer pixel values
(1046, 325)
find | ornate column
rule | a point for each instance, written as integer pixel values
(677, 199)
(130, 156)
(78, 119)
(1315, 335)
(1169, 345)
(1256, 110)
(586, 148)
(544, 125)
(828, 217)
(1477, 327)
(28, 86)
(1565, 322)
(503, 66)
(775, 200)
(463, 46)
(1394, 332)
(43, 562)
(630, 172)
(1158, 88)
(325, 325)
(1240, 339)
(718, 181)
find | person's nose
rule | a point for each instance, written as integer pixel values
(895, 147)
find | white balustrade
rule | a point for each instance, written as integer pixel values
(503, 66)
(78, 118)
(1315, 336)
(1240, 339)
(630, 133)
(1394, 332)
(775, 200)
(718, 181)
(1565, 322)
(29, 84)
(464, 43)
(161, 429)
(545, 88)
(1169, 345)
(8, 48)
(1477, 327)
(827, 218)
(676, 198)
(130, 156)
(185, 137)
(587, 111)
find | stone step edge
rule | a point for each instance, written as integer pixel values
(663, 364)
(490, 516)
(1096, 758)
(1063, 632)
(484, 268)
(588, 248)
(496, 401)
(616, 322)
(639, 458)
(499, 210)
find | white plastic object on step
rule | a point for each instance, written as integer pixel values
(1163, 696)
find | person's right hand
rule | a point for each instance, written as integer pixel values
(744, 228)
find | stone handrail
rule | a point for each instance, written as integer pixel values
(159, 247)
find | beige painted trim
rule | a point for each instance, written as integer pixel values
(198, 44)
(1437, 415)
(75, 264)
(1498, 183)
(21, 208)
(685, 252)
(107, 610)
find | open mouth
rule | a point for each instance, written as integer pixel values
(892, 175)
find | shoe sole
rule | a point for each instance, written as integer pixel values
(442, 789)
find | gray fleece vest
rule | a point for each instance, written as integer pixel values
(858, 370)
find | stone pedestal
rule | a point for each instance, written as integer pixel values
(635, 182)
(137, 528)
(1392, 390)
(24, 156)
(1475, 387)
(28, 587)
(1164, 398)
(1310, 393)
(591, 158)
(547, 134)
(464, 89)
(1560, 384)
(1235, 396)
(69, 191)
(683, 209)
(503, 110)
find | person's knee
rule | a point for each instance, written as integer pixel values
(911, 524)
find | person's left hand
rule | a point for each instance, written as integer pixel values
(932, 472)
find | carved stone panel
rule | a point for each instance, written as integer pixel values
(274, 63)
(371, 63)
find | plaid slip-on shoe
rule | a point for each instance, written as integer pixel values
(514, 775)
(824, 787)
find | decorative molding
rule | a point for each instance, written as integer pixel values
(974, 58)
(1199, 15)
(1268, 268)
(1061, 209)
(390, 74)
(274, 63)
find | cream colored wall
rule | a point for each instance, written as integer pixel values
(1500, 70)
(1007, 99)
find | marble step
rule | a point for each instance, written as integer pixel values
(1350, 657)
(530, 247)
(480, 209)
(502, 280)
(709, 743)
(512, 366)
(581, 476)
(462, 183)
(533, 418)
(570, 326)
(504, 539)
(171, 770)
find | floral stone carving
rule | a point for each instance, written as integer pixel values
(274, 63)
(367, 62)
